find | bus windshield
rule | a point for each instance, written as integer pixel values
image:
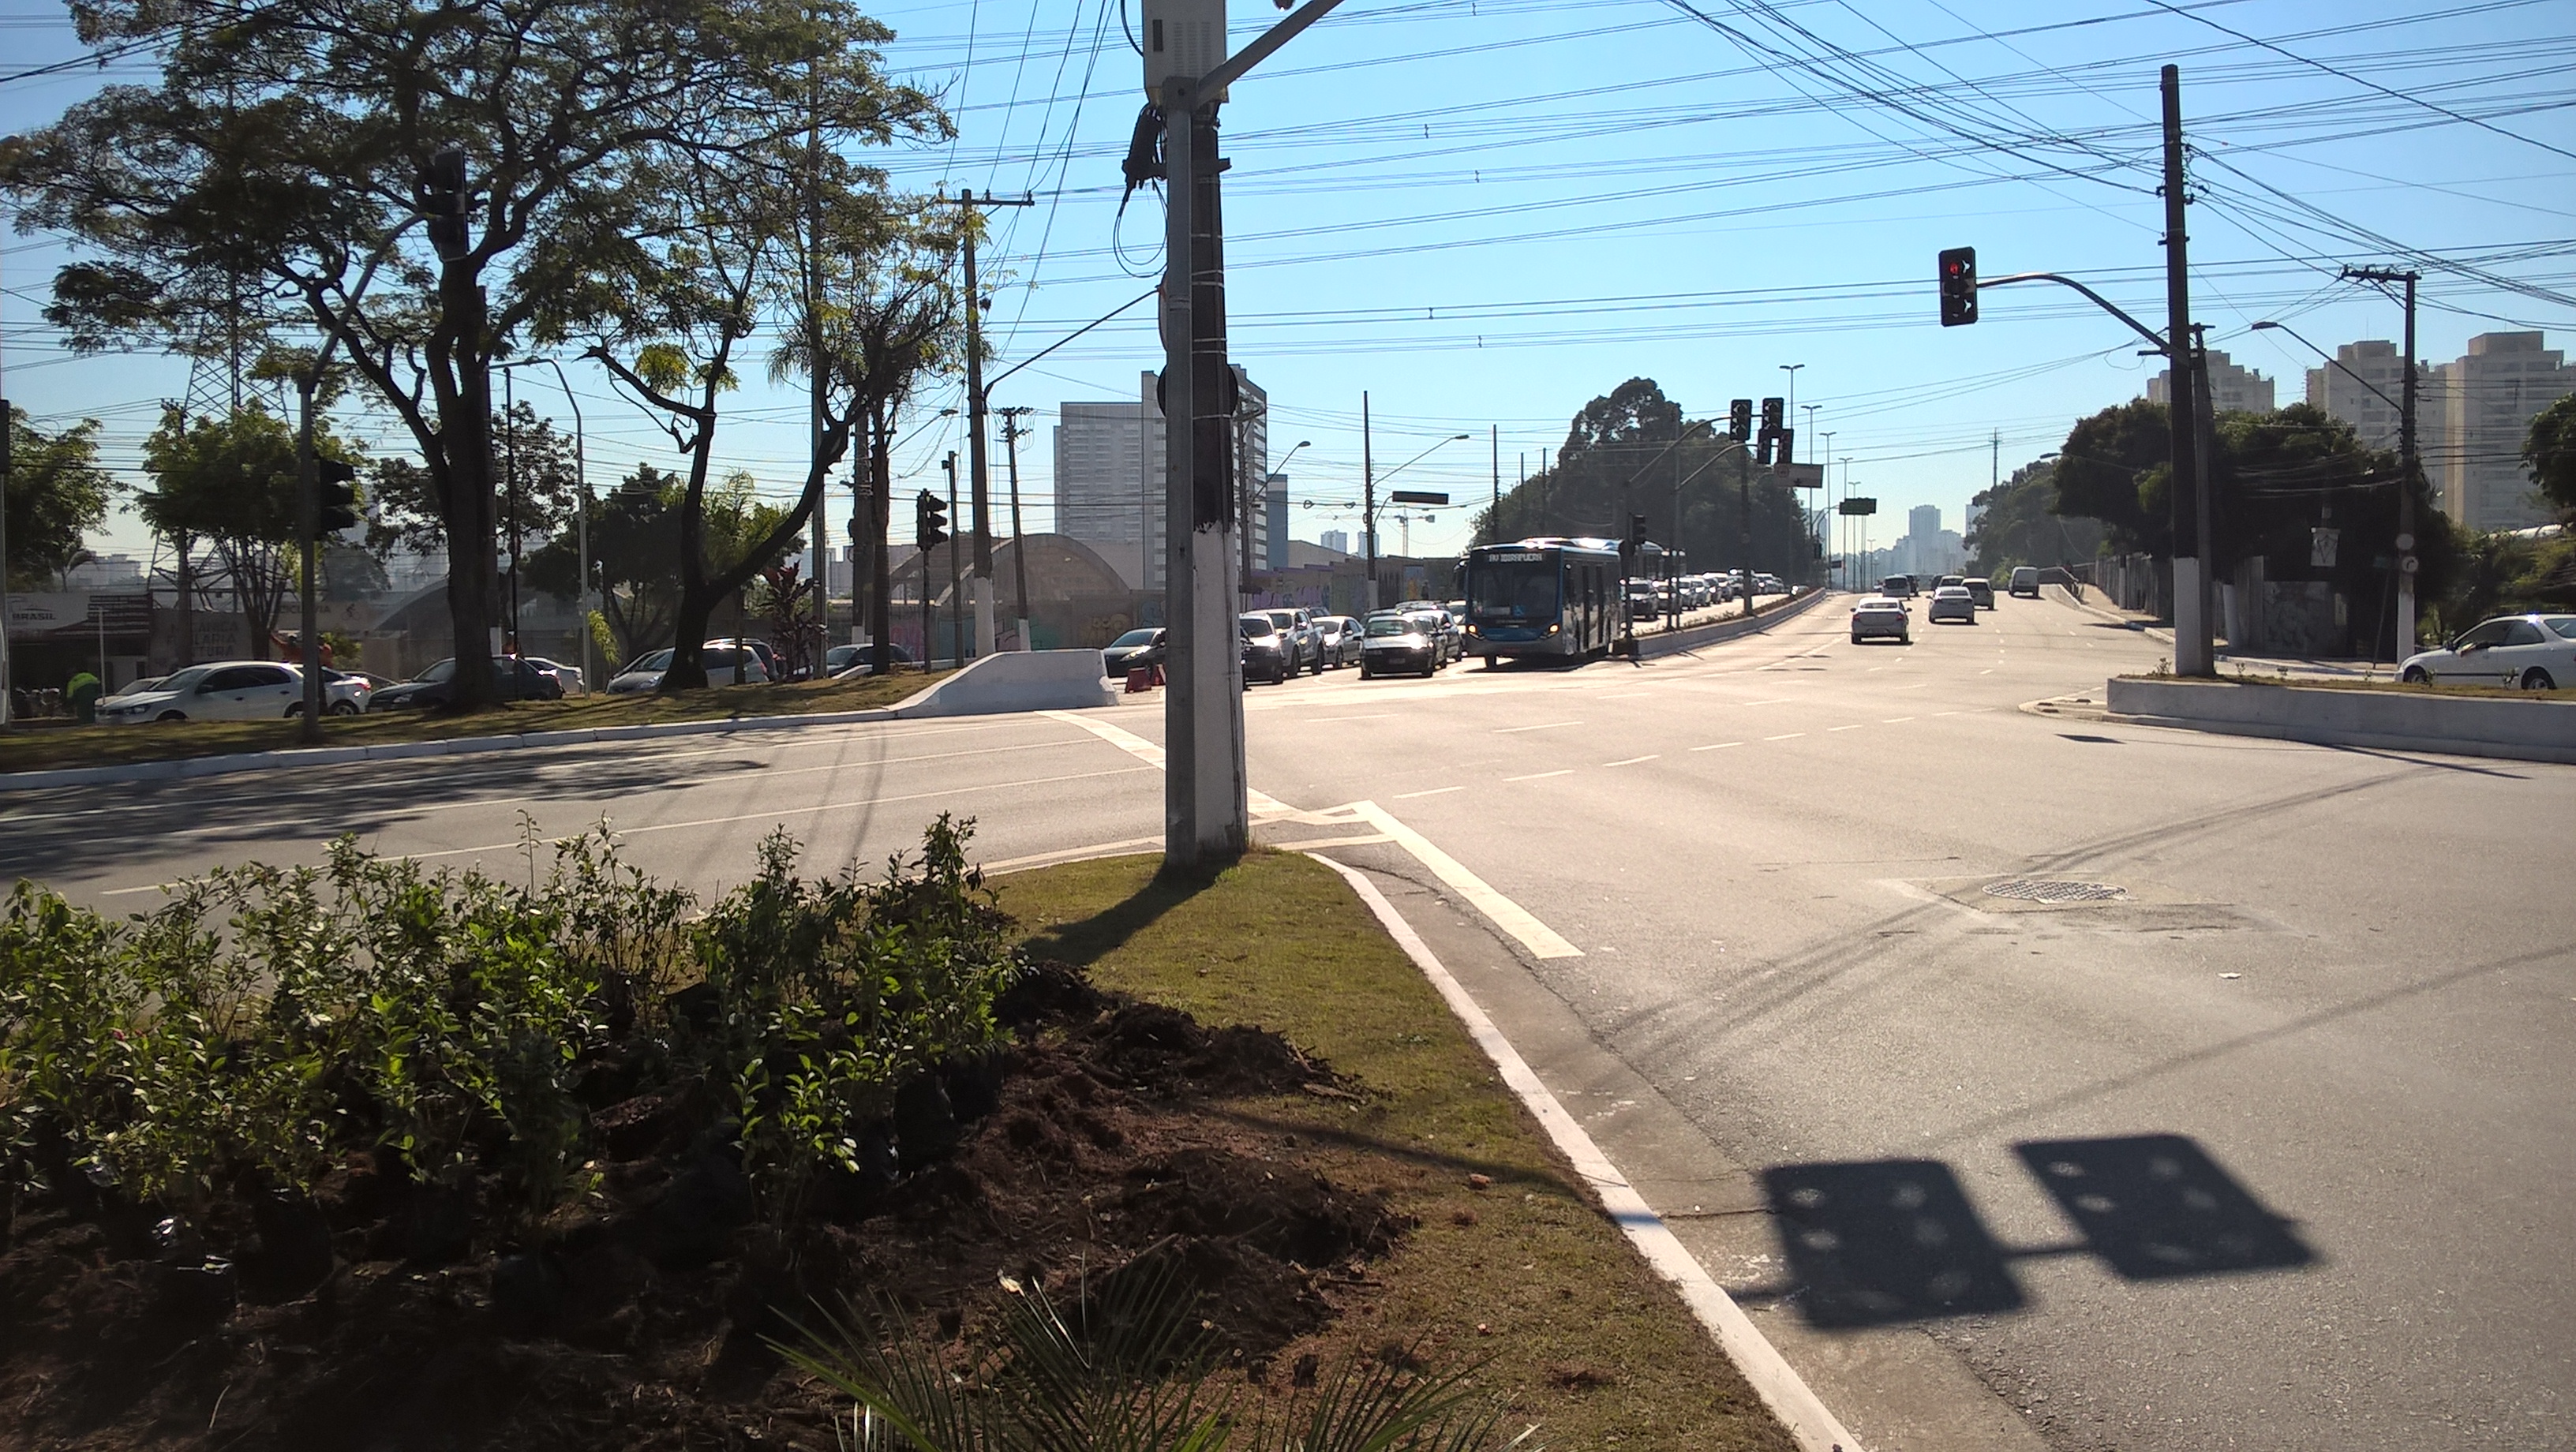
(1513, 589)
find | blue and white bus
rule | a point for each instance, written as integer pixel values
(1543, 597)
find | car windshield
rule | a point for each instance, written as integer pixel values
(1389, 626)
(438, 672)
(1512, 588)
(1132, 639)
(659, 660)
(1257, 626)
(185, 680)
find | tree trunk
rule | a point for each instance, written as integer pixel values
(465, 447)
(187, 603)
(880, 515)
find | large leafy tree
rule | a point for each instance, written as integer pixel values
(231, 482)
(2549, 449)
(57, 492)
(635, 557)
(538, 480)
(284, 144)
(2018, 524)
(2115, 467)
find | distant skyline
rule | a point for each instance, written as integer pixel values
(1486, 214)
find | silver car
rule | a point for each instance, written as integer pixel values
(1881, 617)
(2536, 652)
(1951, 602)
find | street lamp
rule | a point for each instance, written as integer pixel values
(1368, 504)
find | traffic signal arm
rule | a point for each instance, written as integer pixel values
(2154, 338)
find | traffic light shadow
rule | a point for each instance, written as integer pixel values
(1884, 1241)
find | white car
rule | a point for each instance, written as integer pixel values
(2534, 652)
(567, 676)
(1881, 615)
(227, 690)
(1951, 602)
(726, 665)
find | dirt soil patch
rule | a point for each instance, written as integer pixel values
(1113, 1138)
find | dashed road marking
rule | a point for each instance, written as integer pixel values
(1853, 727)
(1548, 726)
(1435, 791)
(1785, 736)
(1632, 761)
(1541, 775)
(1717, 746)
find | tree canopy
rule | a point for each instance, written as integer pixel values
(635, 554)
(2018, 524)
(57, 493)
(232, 482)
(2549, 451)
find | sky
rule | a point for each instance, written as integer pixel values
(1481, 214)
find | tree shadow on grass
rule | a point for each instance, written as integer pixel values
(1087, 941)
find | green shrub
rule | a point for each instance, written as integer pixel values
(266, 1022)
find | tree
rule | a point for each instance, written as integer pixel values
(635, 556)
(2018, 524)
(57, 492)
(232, 482)
(2114, 467)
(539, 478)
(285, 150)
(2549, 451)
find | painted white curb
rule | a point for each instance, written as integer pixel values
(1778, 1383)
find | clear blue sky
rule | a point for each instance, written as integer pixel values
(1486, 212)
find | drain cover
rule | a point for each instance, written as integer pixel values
(2026, 889)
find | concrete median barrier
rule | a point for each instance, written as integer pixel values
(1032, 680)
(2523, 730)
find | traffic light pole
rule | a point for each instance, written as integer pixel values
(2409, 461)
(308, 510)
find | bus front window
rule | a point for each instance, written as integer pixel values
(1513, 590)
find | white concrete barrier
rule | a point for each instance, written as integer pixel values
(1017, 680)
(2523, 730)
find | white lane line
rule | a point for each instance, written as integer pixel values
(1896, 720)
(1541, 775)
(1368, 839)
(1628, 696)
(1550, 726)
(1435, 791)
(774, 814)
(1990, 670)
(1632, 761)
(1541, 940)
(1717, 746)
(1785, 736)
(1853, 727)
(1329, 720)
(1068, 854)
(1800, 1411)
(1774, 701)
(1949, 713)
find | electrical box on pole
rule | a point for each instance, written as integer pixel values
(1958, 286)
(1183, 40)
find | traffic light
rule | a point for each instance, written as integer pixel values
(1772, 414)
(337, 495)
(1788, 437)
(1636, 531)
(444, 198)
(1958, 286)
(929, 520)
(1739, 420)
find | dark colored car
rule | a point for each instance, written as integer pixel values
(1141, 647)
(1265, 651)
(512, 680)
(852, 661)
(1405, 641)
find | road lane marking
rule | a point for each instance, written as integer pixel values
(1435, 791)
(1785, 736)
(1368, 839)
(1853, 727)
(1628, 696)
(1632, 761)
(1805, 1416)
(1541, 775)
(1896, 720)
(1329, 720)
(1774, 701)
(1067, 854)
(1541, 940)
(1550, 726)
(1717, 746)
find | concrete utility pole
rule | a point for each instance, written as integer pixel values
(1011, 432)
(1494, 432)
(2193, 652)
(2409, 460)
(956, 612)
(308, 523)
(980, 475)
(1368, 505)
(1206, 808)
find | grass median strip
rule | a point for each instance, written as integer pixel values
(1510, 1262)
(45, 745)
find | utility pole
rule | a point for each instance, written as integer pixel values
(2193, 655)
(2409, 460)
(1368, 504)
(877, 508)
(1011, 432)
(1494, 432)
(956, 612)
(308, 523)
(981, 477)
(1206, 806)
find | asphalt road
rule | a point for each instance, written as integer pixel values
(2273, 1151)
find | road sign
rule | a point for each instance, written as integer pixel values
(1803, 476)
(1418, 496)
(1858, 506)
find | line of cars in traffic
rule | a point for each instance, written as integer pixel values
(1887, 616)
(267, 690)
(1419, 637)
(1654, 599)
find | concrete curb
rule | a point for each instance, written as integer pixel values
(1693, 637)
(1801, 1412)
(189, 767)
(2458, 726)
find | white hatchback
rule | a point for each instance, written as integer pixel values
(233, 690)
(2535, 652)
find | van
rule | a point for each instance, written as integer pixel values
(2025, 581)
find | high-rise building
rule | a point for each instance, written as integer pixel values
(1252, 462)
(2486, 401)
(2365, 386)
(1336, 540)
(2232, 387)
(1274, 516)
(1923, 521)
(1109, 466)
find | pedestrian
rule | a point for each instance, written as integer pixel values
(82, 693)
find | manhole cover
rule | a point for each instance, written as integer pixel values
(2027, 889)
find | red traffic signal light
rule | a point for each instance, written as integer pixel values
(1958, 286)
(337, 496)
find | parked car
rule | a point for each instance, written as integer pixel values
(1951, 602)
(849, 662)
(2535, 652)
(1981, 590)
(344, 693)
(1142, 646)
(2025, 581)
(1341, 640)
(1881, 616)
(512, 680)
(1399, 640)
(1266, 652)
(726, 666)
(567, 676)
(233, 690)
(136, 687)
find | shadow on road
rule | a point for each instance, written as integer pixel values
(1882, 1241)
